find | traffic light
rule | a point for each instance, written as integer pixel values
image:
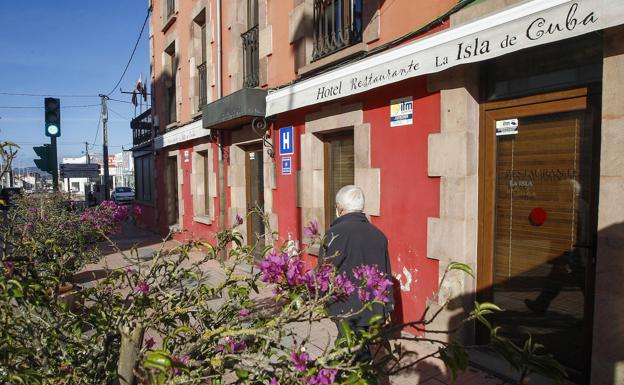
(45, 163)
(52, 117)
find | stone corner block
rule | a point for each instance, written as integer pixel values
(446, 239)
(266, 41)
(369, 180)
(447, 154)
(373, 29)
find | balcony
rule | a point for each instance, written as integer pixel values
(251, 58)
(203, 86)
(142, 128)
(337, 25)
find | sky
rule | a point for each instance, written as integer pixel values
(69, 48)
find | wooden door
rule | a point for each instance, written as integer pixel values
(536, 254)
(254, 175)
(172, 191)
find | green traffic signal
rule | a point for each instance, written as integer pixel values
(43, 152)
(52, 117)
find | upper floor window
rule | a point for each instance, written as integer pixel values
(200, 26)
(170, 8)
(251, 58)
(337, 24)
(171, 67)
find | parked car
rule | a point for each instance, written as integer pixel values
(7, 195)
(122, 195)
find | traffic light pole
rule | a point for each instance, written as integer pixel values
(105, 145)
(54, 163)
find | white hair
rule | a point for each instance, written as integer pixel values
(350, 198)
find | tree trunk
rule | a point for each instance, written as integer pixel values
(131, 341)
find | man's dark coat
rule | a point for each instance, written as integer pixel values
(352, 241)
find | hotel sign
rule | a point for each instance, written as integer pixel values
(526, 25)
(189, 132)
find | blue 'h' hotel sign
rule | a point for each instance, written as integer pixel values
(287, 141)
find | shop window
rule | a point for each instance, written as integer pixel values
(339, 169)
(551, 67)
(144, 178)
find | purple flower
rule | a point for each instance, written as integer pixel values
(299, 360)
(323, 377)
(295, 272)
(142, 287)
(9, 267)
(61, 226)
(179, 361)
(239, 219)
(130, 270)
(149, 343)
(33, 209)
(274, 381)
(244, 313)
(375, 284)
(230, 345)
(344, 286)
(311, 230)
(321, 278)
(273, 267)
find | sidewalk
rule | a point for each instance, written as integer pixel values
(428, 372)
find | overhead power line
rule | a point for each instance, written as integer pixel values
(47, 95)
(97, 130)
(118, 114)
(41, 107)
(132, 54)
(120, 101)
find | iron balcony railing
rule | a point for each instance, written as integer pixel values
(142, 128)
(170, 7)
(337, 25)
(203, 86)
(251, 58)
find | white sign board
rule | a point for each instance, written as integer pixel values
(401, 112)
(185, 133)
(528, 24)
(79, 173)
(506, 127)
(79, 166)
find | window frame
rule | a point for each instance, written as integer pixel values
(328, 174)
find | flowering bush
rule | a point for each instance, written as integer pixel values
(209, 321)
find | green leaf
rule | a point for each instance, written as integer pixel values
(347, 332)
(242, 374)
(158, 360)
(461, 266)
(489, 306)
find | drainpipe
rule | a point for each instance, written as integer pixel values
(221, 136)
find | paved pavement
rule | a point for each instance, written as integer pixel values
(427, 372)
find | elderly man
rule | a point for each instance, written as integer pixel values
(352, 241)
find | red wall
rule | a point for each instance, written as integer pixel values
(408, 195)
